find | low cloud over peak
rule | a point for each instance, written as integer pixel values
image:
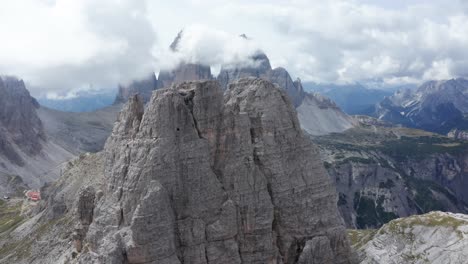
(208, 46)
(64, 46)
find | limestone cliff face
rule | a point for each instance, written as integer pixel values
(202, 177)
(21, 129)
(317, 115)
(261, 68)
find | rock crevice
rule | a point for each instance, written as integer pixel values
(204, 177)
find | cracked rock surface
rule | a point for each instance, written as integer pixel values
(436, 237)
(199, 176)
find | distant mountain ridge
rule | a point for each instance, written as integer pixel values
(437, 106)
(353, 99)
(83, 102)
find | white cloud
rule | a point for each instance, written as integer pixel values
(64, 46)
(208, 46)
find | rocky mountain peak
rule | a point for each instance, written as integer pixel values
(434, 86)
(128, 121)
(437, 106)
(200, 176)
(261, 61)
(262, 68)
(318, 116)
(185, 71)
(294, 90)
(19, 124)
(175, 43)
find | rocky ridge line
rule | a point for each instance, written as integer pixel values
(199, 177)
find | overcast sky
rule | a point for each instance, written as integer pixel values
(60, 47)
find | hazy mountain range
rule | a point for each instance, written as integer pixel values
(354, 99)
(437, 106)
(81, 102)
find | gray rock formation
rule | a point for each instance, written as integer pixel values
(436, 237)
(294, 89)
(198, 178)
(25, 149)
(260, 67)
(36, 142)
(48, 232)
(317, 115)
(184, 72)
(143, 87)
(20, 126)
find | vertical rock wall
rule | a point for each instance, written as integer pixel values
(198, 177)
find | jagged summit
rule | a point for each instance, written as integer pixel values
(317, 115)
(175, 43)
(260, 67)
(185, 71)
(200, 176)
